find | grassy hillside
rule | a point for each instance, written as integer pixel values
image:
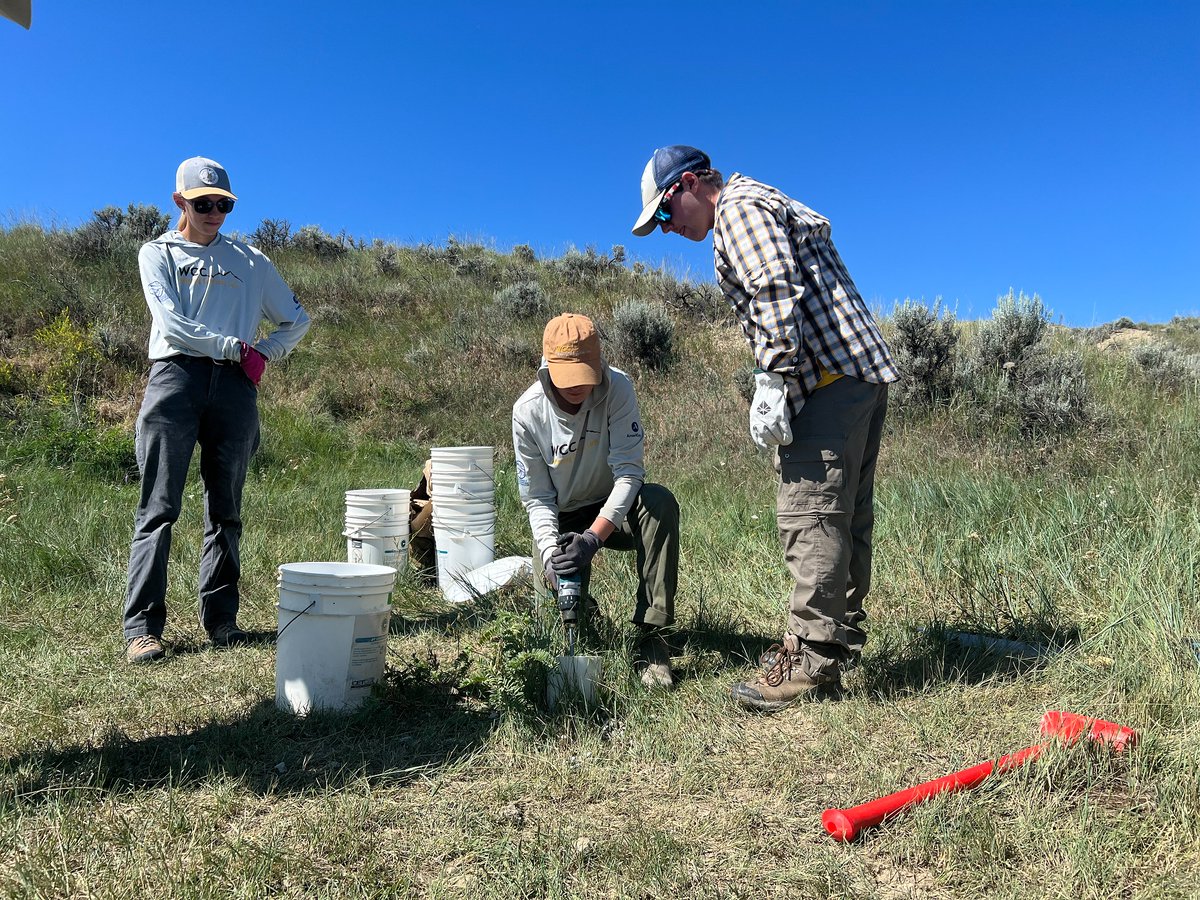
(1032, 487)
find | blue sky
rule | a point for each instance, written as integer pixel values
(959, 148)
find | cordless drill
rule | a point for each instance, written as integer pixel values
(569, 590)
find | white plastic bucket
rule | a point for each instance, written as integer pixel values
(458, 491)
(449, 463)
(390, 550)
(459, 552)
(332, 641)
(499, 573)
(383, 505)
(464, 509)
(337, 575)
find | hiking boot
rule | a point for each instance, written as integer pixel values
(227, 634)
(144, 648)
(652, 662)
(783, 683)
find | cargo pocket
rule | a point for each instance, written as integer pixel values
(812, 476)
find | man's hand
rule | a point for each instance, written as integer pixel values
(253, 363)
(769, 425)
(574, 553)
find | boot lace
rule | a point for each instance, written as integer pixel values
(781, 668)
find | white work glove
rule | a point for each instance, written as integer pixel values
(769, 425)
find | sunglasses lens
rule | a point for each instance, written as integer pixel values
(661, 215)
(205, 206)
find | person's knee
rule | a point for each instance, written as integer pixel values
(660, 503)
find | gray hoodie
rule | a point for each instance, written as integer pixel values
(206, 299)
(568, 461)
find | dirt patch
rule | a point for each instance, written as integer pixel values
(1126, 339)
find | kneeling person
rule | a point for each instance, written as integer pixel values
(578, 440)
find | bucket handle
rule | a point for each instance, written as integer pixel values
(387, 514)
(295, 617)
(490, 477)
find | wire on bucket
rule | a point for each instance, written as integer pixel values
(294, 618)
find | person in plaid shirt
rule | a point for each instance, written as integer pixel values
(820, 399)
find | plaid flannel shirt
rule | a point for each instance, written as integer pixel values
(793, 297)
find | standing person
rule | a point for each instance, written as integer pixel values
(820, 399)
(578, 440)
(207, 295)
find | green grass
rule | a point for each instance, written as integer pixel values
(184, 780)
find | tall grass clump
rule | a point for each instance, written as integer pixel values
(645, 334)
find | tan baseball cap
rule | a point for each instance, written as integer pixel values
(571, 347)
(200, 177)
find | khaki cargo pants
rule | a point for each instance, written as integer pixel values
(826, 513)
(651, 530)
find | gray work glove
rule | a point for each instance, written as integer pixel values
(769, 425)
(574, 553)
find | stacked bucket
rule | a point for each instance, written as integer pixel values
(463, 491)
(377, 527)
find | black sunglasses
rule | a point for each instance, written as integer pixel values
(663, 213)
(203, 205)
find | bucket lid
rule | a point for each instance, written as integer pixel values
(336, 574)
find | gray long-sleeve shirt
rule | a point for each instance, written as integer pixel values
(568, 461)
(206, 299)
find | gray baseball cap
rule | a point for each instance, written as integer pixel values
(199, 177)
(664, 169)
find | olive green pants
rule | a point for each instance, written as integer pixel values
(826, 513)
(651, 530)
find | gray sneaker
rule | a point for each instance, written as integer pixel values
(227, 634)
(144, 648)
(652, 662)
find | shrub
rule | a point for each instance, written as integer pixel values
(1013, 375)
(113, 232)
(583, 268)
(924, 346)
(644, 333)
(271, 235)
(1166, 365)
(71, 360)
(1049, 392)
(311, 239)
(523, 254)
(1017, 324)
(523, 300)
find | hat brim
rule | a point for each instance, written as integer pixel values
(645, 222)
(205, 192)
(573, 374)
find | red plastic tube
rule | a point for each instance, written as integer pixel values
(847, 824)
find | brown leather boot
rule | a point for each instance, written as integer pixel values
(784, 680)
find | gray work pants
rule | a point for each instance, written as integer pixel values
(190, 400)
(826, 513)
(651, 530)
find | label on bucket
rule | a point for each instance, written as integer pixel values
(367, 654)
